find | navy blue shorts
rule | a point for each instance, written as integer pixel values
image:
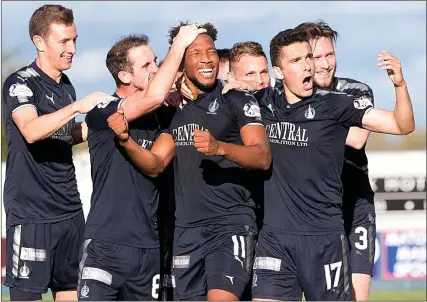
(45, 255)
(110, 271)
(361, 239)
(287, 265)
(212, 257)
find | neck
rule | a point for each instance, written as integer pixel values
(196, 91)
(125, 90)
(291, 98)
(46, 67)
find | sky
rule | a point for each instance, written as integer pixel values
(365, 29)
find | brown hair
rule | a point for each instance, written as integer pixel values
(46, 15)
(118, 57)
(245, 48)
(282, 39)
(210, 31)
(318, 29)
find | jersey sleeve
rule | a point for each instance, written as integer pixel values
(244, 108)
(164, 118)
(349, 110)
(366, 92)
(96, 119)
(18, 94)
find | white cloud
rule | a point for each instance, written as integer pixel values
(89, 66)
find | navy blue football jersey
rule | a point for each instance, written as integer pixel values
(303, 191)
(40, 184)
(124, 201)
(358, 198)
(213, 189)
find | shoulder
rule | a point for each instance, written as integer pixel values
(352, 86)
(20, 83)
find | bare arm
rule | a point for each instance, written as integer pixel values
(151, 162)
(142, 102)
(357, 137)
(35, 128)
(79, 133)
(401, 120)
(254, 154)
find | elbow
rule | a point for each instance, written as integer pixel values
(408, 130)
(357, 144)
(156, 171)
(30, 138)
(265, 161)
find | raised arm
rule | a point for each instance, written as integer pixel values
(151, 162)
(400, 121)
(142, 102)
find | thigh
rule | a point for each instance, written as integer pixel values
(29, 257)
(275, 275)
(362, 244)
(104, 267)
(66, 260)
(144, 283)
(229, 258)
(188, 264)
(324, 268)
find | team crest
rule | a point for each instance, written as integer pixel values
(24, 271)
(213, 107)
(84, 292)
(270, 106)
(310, 113)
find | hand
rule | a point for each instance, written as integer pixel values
(205, 143)
(393, 67)
(118, 123)
(87, 103)
(250, 86)
(184, 90)
(187, 34)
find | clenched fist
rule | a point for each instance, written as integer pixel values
(205, 143)
(118, 123)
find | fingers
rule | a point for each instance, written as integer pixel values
(201, 31)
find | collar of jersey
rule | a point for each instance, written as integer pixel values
(212, 92)
(44, 76)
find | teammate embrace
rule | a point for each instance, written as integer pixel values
(271, 186)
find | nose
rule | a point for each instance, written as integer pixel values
(205, 58)
(155, 69)
(71, 47)
(322, 63)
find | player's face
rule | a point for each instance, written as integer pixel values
(201, 63)
(250, 68)
(60, 46)
(144, 66)
(324, 60)
(297, 67)
(224, 68)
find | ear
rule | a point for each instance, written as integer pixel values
(277, 72)
(229, 76)
(125, 77)
(39, 43)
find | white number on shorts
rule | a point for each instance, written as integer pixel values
(155, 286)
(332, 267)
(363, 244)
(237, 246)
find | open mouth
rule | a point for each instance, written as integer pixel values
(68, 58)
(308, 82)
(206, 72)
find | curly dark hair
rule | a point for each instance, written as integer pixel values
(210, 30)
(285, 38)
